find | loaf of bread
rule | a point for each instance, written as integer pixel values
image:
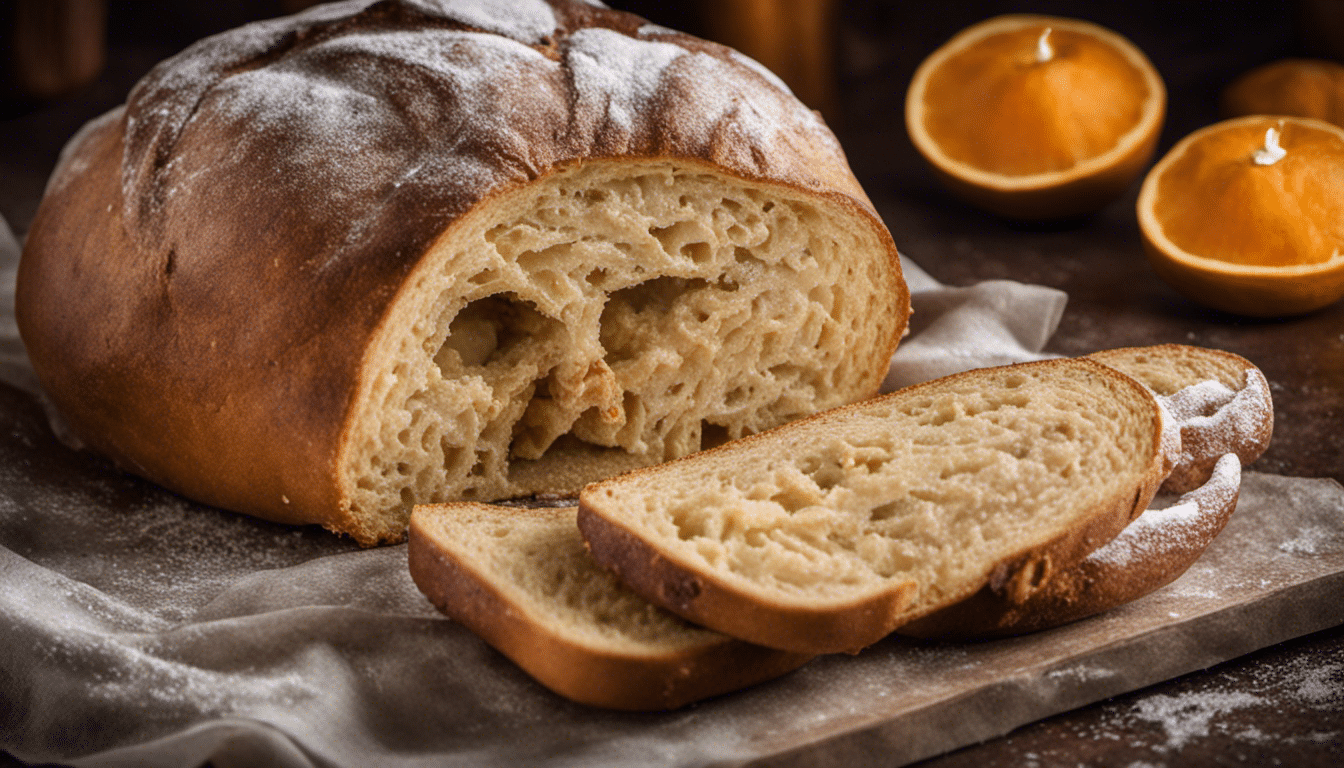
(1219, 403)
(828, 533)
(322, 268)
(522, 580)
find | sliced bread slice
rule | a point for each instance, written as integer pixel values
(522, 580)
(1148, 554)
(1220, 400)
(826, 534)
(1219, 403)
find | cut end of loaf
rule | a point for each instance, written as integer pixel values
(612, 316)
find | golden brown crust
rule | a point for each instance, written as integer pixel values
(206, 271)
(580, 672)
(165, 401)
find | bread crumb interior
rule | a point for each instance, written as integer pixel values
(608, 317)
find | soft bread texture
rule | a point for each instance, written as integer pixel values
(1148, 554)
(1220, 400)
(828, 533)
(522, 580)
(322, 268)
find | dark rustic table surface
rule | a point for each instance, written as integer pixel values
(1283, 705)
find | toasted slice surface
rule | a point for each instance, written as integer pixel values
(1150, 553)
(826, 534)
(1220, 400)
(522, 580)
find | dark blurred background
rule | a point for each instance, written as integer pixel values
(64, 61)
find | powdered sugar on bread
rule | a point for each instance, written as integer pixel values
(1220, 400)
(1213, 417)
(1186, 523)
(599, 85)
(528, 21)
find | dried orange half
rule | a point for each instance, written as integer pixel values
(1247, 215)
(1298, 87)
(1036, 117)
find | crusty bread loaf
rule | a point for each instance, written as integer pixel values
(828, 533)
(1148, 554)
(321, 268)
(522, 580)
(1220, 400)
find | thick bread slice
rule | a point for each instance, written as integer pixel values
(1219, 403)
(1220, 400)
(828, 533)
(321, 268)
(1148, 554)
(522, 580)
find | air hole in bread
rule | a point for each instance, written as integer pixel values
(712, 435)
(597, 278)
(688, 526)
(486, 331)
(743, 255)
(794, 496)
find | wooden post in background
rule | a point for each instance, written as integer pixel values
(56, 45)
(795, 39)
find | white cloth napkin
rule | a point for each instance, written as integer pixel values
(995, 322)
(137, 628)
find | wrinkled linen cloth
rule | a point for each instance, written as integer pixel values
(995, 322)
(140, 629)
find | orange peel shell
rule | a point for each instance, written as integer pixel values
(1298, 87)
(1080, 187)
(1299, 283)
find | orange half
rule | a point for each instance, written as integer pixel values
(1297, 87)
(1036, 117)
(1247, 215)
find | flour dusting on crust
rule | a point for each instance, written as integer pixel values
(527, 21)
(1214, 418)
(1184, 524)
